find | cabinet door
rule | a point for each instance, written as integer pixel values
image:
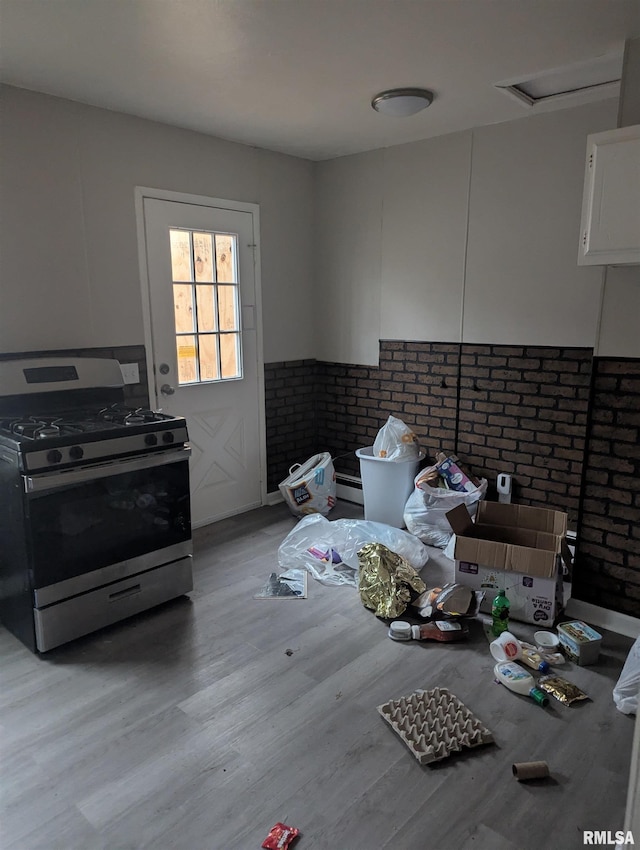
(610, 231)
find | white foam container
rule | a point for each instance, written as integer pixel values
(386, 486)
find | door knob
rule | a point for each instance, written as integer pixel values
(167, 389)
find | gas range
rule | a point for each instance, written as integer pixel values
(59, 414)
(96, 522)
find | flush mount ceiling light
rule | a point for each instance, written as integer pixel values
(402, 102)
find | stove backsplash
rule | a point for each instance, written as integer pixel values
(136, 395)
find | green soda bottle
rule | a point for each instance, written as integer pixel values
(500, 614)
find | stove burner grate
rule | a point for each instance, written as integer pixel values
(32, 428)
(127, 415)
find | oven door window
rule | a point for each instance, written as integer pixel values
(80, 528)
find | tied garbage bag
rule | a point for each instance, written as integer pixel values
(625, 693)
(396, 441)
(386, 581)
(329, 549)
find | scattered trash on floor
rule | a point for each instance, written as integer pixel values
(526, 770)
(311, 486)
(516, 679)
(507, 647)
(561, 689)
(329, 549)
(289, 585)
(280, 837)
(442, 630)
(434, 724)
(386, 580)
(580, 642)
(451, 601)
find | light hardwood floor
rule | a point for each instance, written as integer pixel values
(192, 727)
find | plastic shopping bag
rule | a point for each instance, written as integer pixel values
(396, 441)
(311, 486)
(427, 506)
(329, 550)
(625, 693)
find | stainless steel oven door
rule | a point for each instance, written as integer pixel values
(85, 518)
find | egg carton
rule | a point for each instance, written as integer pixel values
(434, 724)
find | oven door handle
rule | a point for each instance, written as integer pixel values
(46, 481)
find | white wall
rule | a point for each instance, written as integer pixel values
(397, 219)
(523, 283)
(347, 246)
(399, 243)
(69, 268)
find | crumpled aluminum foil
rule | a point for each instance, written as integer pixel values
(386, 580)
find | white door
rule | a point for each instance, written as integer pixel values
(204, 340)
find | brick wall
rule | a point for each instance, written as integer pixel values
(416, 381)
(523, 410)
(608, 558)
(290, 410)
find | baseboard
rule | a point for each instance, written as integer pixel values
(273, 498)
(349, 494)
(622, 624)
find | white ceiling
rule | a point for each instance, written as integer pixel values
(298, 76)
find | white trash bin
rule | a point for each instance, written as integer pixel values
(386, 486)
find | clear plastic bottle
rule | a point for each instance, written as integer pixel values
(500, 614)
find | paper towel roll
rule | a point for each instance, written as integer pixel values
(530, 770)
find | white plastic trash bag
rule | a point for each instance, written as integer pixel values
(396, 441)
(329, 550)
(427, 506)
(311, 486)
(625, 693)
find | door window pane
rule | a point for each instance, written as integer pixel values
(227, 314)
(208, 357)
(187, 359)
(183, 307)
(229, 355)
(203, 257)
(206, 308)
(225, 258)
(180, 241)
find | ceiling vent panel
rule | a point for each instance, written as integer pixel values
(583, 82)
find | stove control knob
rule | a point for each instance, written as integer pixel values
(54, 456)
(151, 440)
(168, 437)
(76, 452)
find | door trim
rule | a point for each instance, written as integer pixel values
(143, 192)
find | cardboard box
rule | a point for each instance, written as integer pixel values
(512, 548)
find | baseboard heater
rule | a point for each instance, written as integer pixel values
(349, 488)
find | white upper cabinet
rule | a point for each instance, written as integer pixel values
(610, 228)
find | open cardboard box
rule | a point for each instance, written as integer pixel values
(513, 548)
